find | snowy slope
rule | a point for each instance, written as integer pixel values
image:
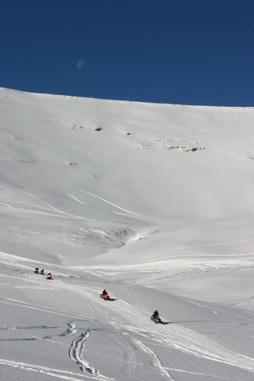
(154, 203)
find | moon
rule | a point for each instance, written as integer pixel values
(80, 64)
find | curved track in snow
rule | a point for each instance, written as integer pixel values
(71, 192)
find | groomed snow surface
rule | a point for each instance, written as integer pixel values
(153, 202)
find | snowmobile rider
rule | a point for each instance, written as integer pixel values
(36, 270)
(104, 292)
(156, 314)
(42, 272)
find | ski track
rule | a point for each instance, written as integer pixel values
(198, 345)
(70, 193)
(48, 207)
(75, 354)
(26, 305)
(61, 213)
(9, 206)
(58, 210)
(60, 374)
(241, 301)
(196, 247)
(155, 360)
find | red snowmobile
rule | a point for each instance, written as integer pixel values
(104, 295)
(156, 319)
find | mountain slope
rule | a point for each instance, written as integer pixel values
(178, 161)
(153, 202)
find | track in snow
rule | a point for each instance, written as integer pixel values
(76, 354)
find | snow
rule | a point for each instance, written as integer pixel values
(153, 202)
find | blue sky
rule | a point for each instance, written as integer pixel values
(198, 52)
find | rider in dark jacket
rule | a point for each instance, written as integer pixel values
(156, 314)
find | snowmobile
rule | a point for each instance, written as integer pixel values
(156, 319)
(105, 296)
(36, 271)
